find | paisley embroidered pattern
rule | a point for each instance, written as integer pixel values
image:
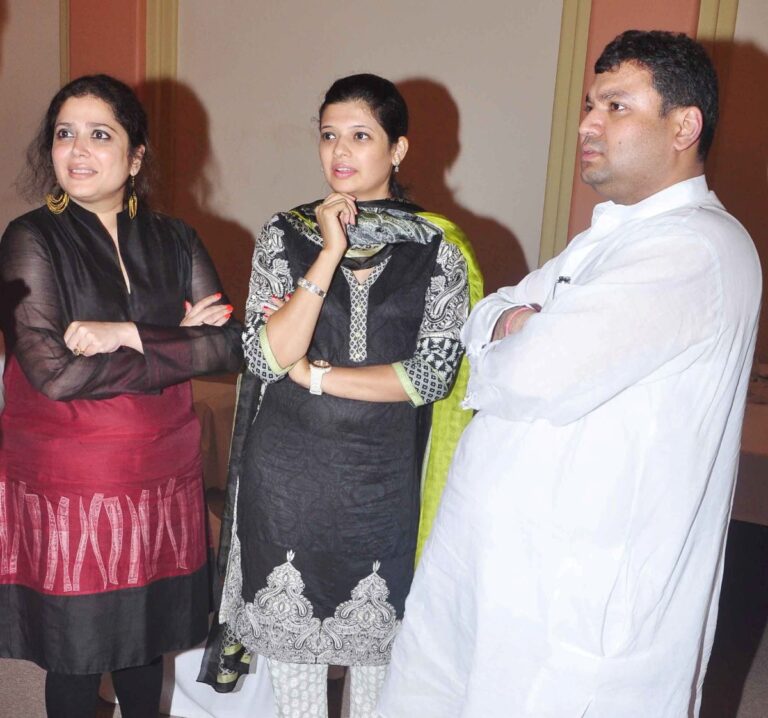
(390, 226)
(438, 347)
(270, 275)
(279, 622)
(447, 296)
(374, 226)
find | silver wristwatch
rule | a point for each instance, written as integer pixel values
(317, 369)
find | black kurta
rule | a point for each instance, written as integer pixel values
(328, 488)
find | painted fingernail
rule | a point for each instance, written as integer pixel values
(229, 308)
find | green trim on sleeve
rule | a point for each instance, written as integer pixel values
(267, 351)
(407, 384)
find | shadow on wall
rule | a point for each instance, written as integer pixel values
(187, 174)
(738, 163)
(434, 148)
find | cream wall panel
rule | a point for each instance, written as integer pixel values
(29, 76)
(752, 23)
(259, 70)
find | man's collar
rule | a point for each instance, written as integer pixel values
(688, 191)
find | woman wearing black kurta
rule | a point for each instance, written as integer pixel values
(353, 321)
(107, 312)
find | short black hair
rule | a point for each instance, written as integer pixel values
(385, 103)
(681, 71)
(39, 178)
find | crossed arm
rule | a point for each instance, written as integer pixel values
(278, 347)
(113, 357)
(649, 306)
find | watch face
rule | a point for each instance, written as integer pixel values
(320, 363)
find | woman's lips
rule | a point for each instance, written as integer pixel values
(343, 171)
(81, 172)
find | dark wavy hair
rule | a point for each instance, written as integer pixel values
(681, 72)
(38, 178)
(385, 103)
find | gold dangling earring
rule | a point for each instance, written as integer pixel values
(133, 200)
(57, 204)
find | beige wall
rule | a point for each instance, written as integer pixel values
(29, 76)
(479, 78)
(752, 23)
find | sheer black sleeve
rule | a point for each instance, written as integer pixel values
(174, 354)
(34, 318)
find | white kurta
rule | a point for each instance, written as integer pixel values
(575, 564)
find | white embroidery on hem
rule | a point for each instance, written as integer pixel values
(279, 622)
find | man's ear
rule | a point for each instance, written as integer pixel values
(688, 124)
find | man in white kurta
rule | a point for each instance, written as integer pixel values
(574, 567)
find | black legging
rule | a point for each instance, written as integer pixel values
(137, 689)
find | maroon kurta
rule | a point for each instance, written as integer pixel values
(102, 520)
(97, 495)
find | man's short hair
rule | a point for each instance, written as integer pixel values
(680, 69)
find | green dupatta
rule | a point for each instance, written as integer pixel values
(448, 418)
